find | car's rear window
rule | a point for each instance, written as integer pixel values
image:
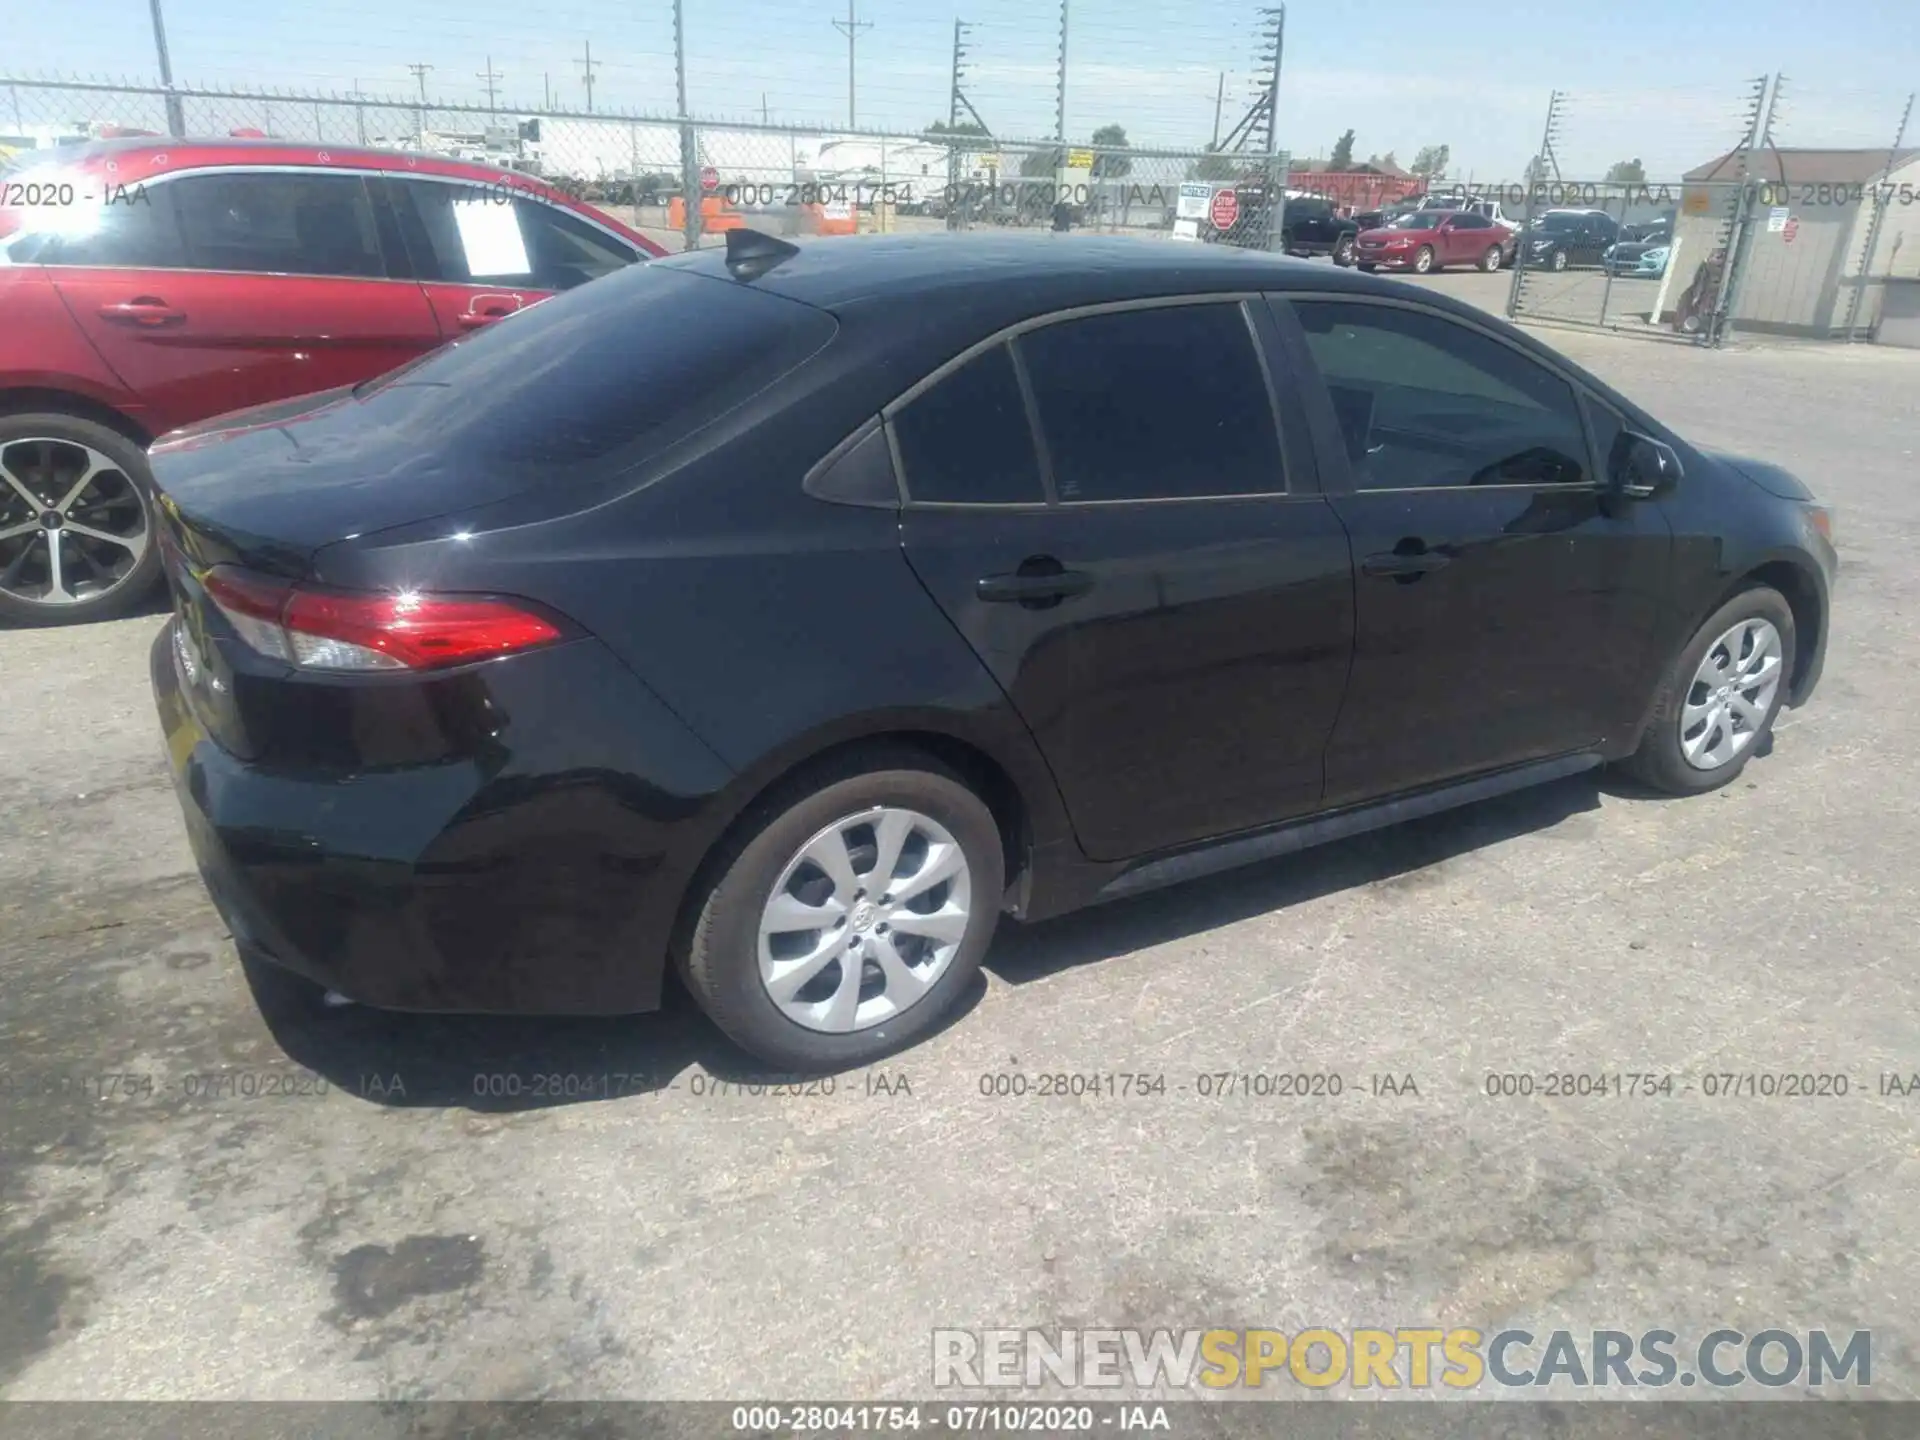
(639, 358)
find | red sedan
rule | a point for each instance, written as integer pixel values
(147, 284)
(1427, 240)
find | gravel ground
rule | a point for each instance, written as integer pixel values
(400, 1236)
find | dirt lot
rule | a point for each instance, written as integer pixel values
(408, 1233)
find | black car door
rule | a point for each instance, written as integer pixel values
(1504, 608)
(1101, 506)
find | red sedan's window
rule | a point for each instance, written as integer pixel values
(278, 223)
(476, 235)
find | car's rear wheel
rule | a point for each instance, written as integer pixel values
(1718, 700)
(847, 917)
(1423, 262)
(77, 537)
(1490, 261)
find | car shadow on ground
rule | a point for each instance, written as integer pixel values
(502, 1064)
(1025, 953)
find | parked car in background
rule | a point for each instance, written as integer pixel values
(1423, 241)
(1652, 232)
(149, 284)
(1312, 225)
(787, 614)
(1636, 259)
(1561, 239)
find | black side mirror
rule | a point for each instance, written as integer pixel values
(1641, 468)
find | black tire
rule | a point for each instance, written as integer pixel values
(1659, 761)
(1490, 261)
(720, 954)
(1424, 262)
(1367, 268)
(280, 994)
(1343, 253)
(131, 588)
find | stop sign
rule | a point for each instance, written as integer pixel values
(1224, 210)
(709, 178)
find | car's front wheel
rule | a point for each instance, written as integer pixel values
(77, 535)
(849, 914)
(1423, 262)
(1559, 261)
(1343, 252)
(1718, 700)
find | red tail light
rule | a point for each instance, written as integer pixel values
(345, 630)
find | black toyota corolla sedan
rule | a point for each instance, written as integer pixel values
(789, 614)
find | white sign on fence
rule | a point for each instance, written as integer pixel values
(1186, 229)
(1776, 219)
(1194, 201)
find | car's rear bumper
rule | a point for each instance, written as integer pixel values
(517, 882)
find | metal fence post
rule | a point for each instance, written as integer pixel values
(1873, 225)
(690, 191)
(1720, 322)
(1533, 178)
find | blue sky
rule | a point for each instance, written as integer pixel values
(1661, 80)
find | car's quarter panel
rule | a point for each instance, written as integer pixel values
(498, 838)
(1496, 623)
(42, 348)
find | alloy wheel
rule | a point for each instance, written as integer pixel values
(864, 920)
(73, 527)
(1423, 262)
(1731, 694)
(1493, 259)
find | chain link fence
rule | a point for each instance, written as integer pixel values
(1749, 217)
(643, 169)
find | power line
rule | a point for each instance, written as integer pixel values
(420, 74)
(851, 28)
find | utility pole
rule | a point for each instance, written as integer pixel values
(420, 115)
(176, 116)
(850, 28)
(1219, 94)
(492, 77)
(546, 90)
(765, 118)
(587, 67)
(359, 114)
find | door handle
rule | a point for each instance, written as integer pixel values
(1034, 588)
(473, 320)
(148, 311)
(1404, 566)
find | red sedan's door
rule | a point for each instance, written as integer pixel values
(483, 253)
(235, 287)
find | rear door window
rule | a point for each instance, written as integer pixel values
(967, 441)
(1163, 403)
(278, 223)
